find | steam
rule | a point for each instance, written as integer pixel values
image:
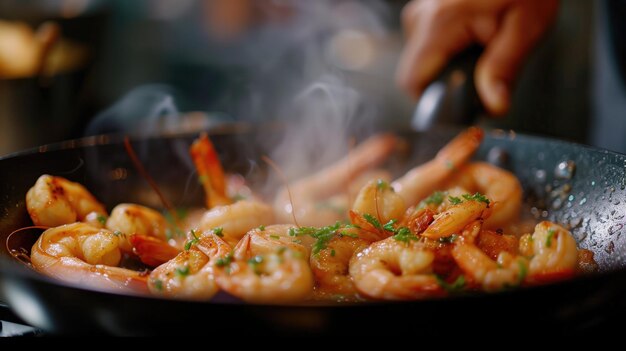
(305, 71)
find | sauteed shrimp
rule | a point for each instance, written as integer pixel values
(191, 273)
(55, 201)
(307, 193)
(398, 243)
(86, 255)
(256, 275)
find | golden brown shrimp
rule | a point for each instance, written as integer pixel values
(394, 270)
(308, 193)
(457, 217)
(54, 201)
(377, 198)
(500, 186)
(86, 255)
(507, 271)
(552, 251)
(424, 179)
(191, 273)
(282, 275)
(210, 172)
(237, 219)
(132, 219)
(331, 266)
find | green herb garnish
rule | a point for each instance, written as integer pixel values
(262, 228)
(275, 237)
(373, 221)
(454, 200)
(102, 219)
(254, 262)
(456, 286)
(193, 241)
(224, 261)
(383, 185)
(448, 239)
(219, 231)
(476, 197)
(158, 284)
(404, 235)
(551, 233)
(182, 272)
(332, 253)
(523, 272)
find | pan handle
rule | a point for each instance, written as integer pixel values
(451, 99)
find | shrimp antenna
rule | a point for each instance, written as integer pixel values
(19, 254)
(351, 144)
(283, 178)
(142, 170)
(376, 202)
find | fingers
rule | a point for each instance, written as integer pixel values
(521, 28)
(437, 30)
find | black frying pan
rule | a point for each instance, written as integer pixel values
(593, 206)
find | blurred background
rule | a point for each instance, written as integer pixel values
(70, 68)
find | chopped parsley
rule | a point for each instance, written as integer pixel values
(523, 272)
(193, 241)
(219, 231)
(551, 233)
(182, 272)
(254, 262)
(224, 261)
(332, 253)
(102, 219)
(262, 228)
(173, 230)
(403, 234)
(456, 286)
(448, 239)
(435, 198)
(322, 235)
(275, 237)
(383, 185)
(476, 197)
(373, 221)
(158, 284)
(454, 200)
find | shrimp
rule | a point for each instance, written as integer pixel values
(499, 185)
(54, 201)
(307, 194)
(424, 179)
(394, 270)
(379, 199)
(191, 273)
(456, 217)
(257, 275)
(552, 251)
(210, 171)
(136, 219)
(331, 266)
(237, 219)
(85, 255)
(507, 271)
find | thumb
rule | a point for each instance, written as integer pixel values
(504, 55)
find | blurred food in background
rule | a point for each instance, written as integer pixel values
(25, 52)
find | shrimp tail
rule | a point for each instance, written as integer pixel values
(151, 251)
(210, 171)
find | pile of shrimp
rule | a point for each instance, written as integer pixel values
(346, 233)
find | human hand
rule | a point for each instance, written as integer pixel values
(436, 30)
